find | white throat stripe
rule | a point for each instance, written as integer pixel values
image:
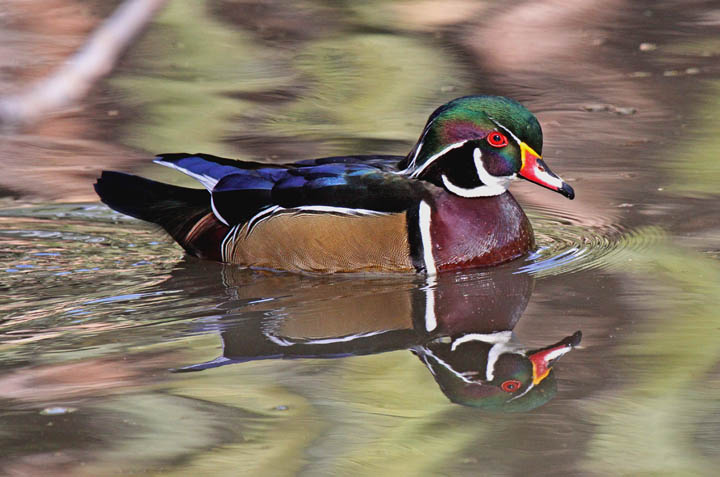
(492, 185)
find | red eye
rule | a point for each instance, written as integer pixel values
(497, 139)
(511, 385)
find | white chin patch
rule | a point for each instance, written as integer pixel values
(492, 185)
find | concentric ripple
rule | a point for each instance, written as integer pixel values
(568, 244)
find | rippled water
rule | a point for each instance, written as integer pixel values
(567, 244)
(103, 319)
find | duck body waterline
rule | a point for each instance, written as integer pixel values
(444, 206)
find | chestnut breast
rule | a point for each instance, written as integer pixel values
(478, 232)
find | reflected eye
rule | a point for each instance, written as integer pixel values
(497, 139)
(511, 385)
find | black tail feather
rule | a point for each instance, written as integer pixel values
(176, 209)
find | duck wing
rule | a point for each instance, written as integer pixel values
(348, 185)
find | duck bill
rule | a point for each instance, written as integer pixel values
(535, 170)
(543, 359)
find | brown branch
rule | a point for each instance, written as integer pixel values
(74, 79)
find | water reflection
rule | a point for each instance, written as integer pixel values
(459, 325)
(636, 268)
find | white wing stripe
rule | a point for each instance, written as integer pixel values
(207, 181)
(273, 211)
(216, 213)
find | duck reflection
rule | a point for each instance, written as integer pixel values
(459, 325)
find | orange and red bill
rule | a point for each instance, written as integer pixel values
(543, 359)
(535, 170)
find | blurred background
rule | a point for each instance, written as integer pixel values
(95, 308)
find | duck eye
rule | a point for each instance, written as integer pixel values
(497, 139)
(511, 385)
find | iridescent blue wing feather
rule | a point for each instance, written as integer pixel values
(240, 190)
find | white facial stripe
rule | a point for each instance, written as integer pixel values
(523, 393)
(424, 224)
(425, 353)
(419, 148)
(498, 183)
(480, 191)
(434, 158)
(494, 355)
(492, 185)
(510, 133)
(490, 338)
(500, 344)
(417, 152)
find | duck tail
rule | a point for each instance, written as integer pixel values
(178, 210)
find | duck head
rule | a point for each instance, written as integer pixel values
(491, 372)
(475, 146)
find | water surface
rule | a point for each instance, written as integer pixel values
(328, 375)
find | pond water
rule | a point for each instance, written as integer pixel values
(118, 354)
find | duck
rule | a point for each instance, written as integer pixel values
(444, 206)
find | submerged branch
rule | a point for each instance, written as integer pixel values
(72, 81)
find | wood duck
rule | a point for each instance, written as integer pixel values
(444, 206)
(460, 326)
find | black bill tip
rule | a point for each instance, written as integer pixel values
(567, 191)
